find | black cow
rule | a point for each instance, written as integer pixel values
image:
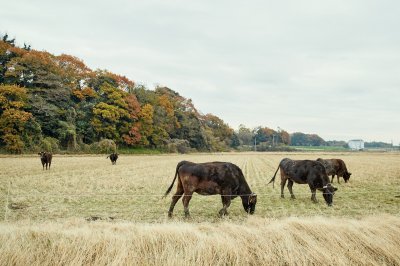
(305, 172)
(211, 178)
(45, 158)
(335, 167)
(113, 158)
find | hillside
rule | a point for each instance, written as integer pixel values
(56, 102)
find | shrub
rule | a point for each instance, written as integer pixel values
(178, 145)
(50, 144)
(104, 146)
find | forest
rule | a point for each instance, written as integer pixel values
(53, 103)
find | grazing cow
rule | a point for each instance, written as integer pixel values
(211, 178)
(113, 158)
(305, 172)
(45, 158)
(335, 167)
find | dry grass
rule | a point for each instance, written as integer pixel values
(287, 241)
(44, 214)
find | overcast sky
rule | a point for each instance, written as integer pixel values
(325, 67)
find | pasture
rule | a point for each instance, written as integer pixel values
(126, 200)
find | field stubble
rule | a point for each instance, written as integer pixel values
(53, 206)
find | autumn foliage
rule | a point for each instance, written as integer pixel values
(58, 99)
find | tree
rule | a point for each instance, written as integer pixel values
(12, 116)
(245, 135)
(301, 139)
(235, 142)
(221, 133)
(146, 124)
(116, 115)
(284, 137)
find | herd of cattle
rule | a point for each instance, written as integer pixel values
(227, 179)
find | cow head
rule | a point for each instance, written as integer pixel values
(346, 176)
(42, 153)
(328, 191)
(249, 203)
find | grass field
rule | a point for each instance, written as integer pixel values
(49, 210)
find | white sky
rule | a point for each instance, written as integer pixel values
(328, 67)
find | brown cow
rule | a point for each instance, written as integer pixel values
(305, 172)
(211, 178)
(335, 167)
(45, 158)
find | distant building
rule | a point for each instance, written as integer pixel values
(356, 144)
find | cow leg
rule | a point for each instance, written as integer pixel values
(186, 199)
(313, 192)
(46, 165)
(290, 185)
(283, 183)
(178, 194)
(337, 179)
(333, 176)
(226, 202)
(49, 165)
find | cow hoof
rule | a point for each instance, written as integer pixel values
(223, 213)
(170, 215)
(293, 197)
(282, 197)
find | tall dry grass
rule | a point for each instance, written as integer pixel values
(258, 241)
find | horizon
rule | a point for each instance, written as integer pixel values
(327, 69)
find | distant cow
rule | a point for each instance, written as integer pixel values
(335, 167)
(305, 172)
(113, 157)
(45, 158)
(211, 178)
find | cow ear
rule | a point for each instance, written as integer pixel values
(349, 174)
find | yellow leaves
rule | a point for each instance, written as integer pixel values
(164, 102)
(107, 111)
(85, 93)
(13, 118)
(78, 94)
(89, 93)
(12, 96)
(147, 113)
(13, 143)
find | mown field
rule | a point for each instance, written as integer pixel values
(49, 214)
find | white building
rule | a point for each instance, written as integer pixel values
(356, 144)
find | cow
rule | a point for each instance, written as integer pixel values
(305, 172)
(113, 157)
(335, 167)
(45, 158)
(211, 178)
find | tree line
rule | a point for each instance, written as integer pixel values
(50, 102)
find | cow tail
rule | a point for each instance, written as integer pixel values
(273, 178)
(173, 181)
